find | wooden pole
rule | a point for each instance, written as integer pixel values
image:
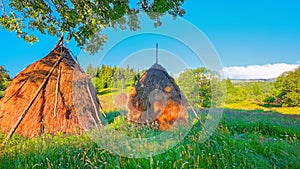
(12, 131)
(3, 9)
(95, 108)
(16, 91)
(156, 53)
(197, 117)
(60, 42)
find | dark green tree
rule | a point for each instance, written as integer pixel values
(269, 99)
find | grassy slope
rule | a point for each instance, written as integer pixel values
(244, 139)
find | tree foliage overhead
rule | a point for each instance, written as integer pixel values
(79, 19)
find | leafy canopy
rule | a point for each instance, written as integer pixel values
(79, 19)
(288, 85)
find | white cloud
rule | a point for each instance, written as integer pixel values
(257, 71)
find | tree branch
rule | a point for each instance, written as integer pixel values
(3, 9)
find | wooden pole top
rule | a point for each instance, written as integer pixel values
(156, 53)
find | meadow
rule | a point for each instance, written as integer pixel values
(243, 139)
(251, 134)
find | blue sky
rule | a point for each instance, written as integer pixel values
(264, 34)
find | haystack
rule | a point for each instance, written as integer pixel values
(49, 96)
(121, 100)
(157, 98)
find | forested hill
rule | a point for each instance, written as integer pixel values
(252, 80)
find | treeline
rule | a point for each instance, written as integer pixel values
(196, 84)
(4, 80)
(113, 77)
(285, 91)
(248, 91)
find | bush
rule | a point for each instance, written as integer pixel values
(291, 99)
(269, 99)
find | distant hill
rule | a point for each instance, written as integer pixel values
(252, 80)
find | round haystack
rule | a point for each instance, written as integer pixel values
(157, 98)
(56, 107)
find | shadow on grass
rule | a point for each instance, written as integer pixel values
(107, 91)
(270, 105)
(110, 116)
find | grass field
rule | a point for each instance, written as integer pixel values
(244, 139)
(252, 105)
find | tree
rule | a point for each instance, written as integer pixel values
(288, 85)
(269, 99)
(188, 85)
(196, 85)
(203, 78)
(256, 91)
(91, 71)
(4, 80)
(97, 84)
(230, 92)
(81, 20)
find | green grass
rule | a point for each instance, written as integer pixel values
(106, 97)
(244, 139)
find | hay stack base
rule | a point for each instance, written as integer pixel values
(157, 98)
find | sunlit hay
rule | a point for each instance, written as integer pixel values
(157, 98)
(173, 114)
(41, 117)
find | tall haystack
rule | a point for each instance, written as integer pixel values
(157, 98)
(49, 96)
